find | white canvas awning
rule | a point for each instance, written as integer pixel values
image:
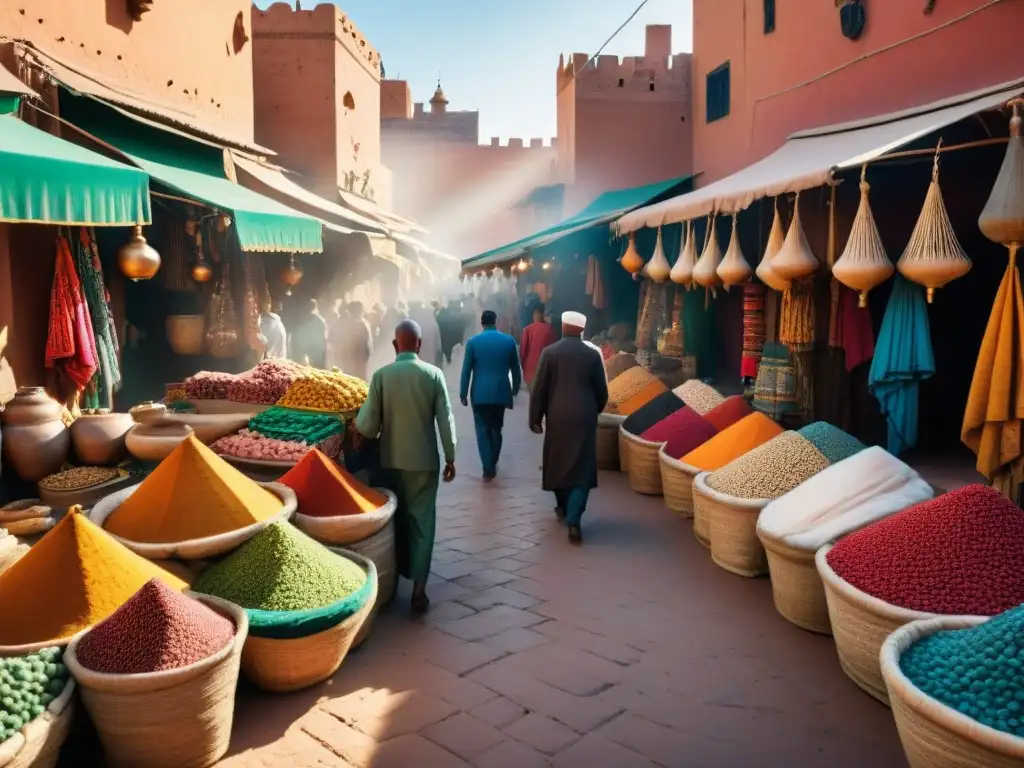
(808, 159)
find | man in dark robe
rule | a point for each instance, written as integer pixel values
(568, 393)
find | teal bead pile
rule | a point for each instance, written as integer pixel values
(977, 671)
(834, 444)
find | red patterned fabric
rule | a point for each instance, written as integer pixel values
(70, 342)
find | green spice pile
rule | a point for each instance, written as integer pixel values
(296, 426)
(770, 470)
(978, 671)
(282, 569)
(27, 686)
(834, 444)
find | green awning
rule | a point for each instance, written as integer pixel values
(46, 180)
(604, 208)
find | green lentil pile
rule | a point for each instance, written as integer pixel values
(27, 686)
(282, 569)
(296, 426)
(977, 671)
(770, 470)
(834, 444)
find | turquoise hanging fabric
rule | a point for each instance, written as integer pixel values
(699, 331)
(107, 379)
(903, 359)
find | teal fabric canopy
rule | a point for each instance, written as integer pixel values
(46, 180)
(603, 209)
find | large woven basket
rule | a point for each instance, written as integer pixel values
(677, 483)
(623, 451)
(38, 743)
(732, 529)
(644, 470)
(608, 441)
(935, 735)
(179, 718)
(194, 549)
(796, 586)
(343, 530)
(380, 549)
(284, 665)
(702, 511)
(860, 625)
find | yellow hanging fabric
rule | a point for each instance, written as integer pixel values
(995, 405)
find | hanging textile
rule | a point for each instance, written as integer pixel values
(775, 388)
(595, 284)
(107, 379)
(995, 405)
(796, 330)
(853, 331)
(699, 331)
(70, 344)
(753, 328)
(903, 358)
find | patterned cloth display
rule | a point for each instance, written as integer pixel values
(753, 328)
(775, 388)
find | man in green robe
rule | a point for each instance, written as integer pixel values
(406, 399)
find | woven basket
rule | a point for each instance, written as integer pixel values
(178, 718)
(38, 743)
(860, 625)
(644, 471)
(608, 441)
(623, 451)
(281, 666)
(935, 735)
(702, 511)
(194, 549)
(343, 530)
(796, 586)
(732, 529)
(677, 484)
(380, 549)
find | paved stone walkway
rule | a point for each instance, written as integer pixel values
(633, 650)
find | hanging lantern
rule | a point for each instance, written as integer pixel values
(291, 275)
(864, 263)
(631, 260)
(776, 238)
(201, 271)
(734, 268)
(223, 222)
(658, 267)
(682, 270)
(795, 260)
(137, 259)
(1002, 220)
(933, 256)
(705, 272)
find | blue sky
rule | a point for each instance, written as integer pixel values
(501, 57)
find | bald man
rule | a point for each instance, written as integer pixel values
(406, 400)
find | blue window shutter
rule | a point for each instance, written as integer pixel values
(718, 93)
(769, 16)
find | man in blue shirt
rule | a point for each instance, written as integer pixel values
(491, 377)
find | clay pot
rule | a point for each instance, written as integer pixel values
(154, 442)
(99, 438)
(36, 442)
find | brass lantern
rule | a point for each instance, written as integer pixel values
(137, 259)
(291, 275)
(201, 271)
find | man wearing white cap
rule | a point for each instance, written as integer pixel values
(570, 390)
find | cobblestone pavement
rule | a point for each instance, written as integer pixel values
(632, 650)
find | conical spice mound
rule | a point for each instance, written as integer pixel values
(74, 577)
(324, 489)
(192, 494)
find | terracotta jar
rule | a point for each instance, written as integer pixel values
(155, 441)
(36, 442)
(98, 438)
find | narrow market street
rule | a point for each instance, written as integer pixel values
(633, 650)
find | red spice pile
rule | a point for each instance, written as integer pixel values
(960, 553)
(324, 489)
(682, 431)
(156, 630)
(728, 413)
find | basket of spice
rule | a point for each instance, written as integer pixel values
(28, 517)
(194, 505)
(851, 494)
(81, 485)
(675, 435)
(957, 690)
(644, 475)
(608, 441)
(36, 709)
(280, 437)
(731, 442)
(703, 398)
(158, 677)
(305, 603)
(627, 393)
(958, 554)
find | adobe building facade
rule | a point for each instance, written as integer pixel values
(779, 66)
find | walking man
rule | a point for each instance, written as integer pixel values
(537, 337)
(491, 378)
(569, 391)
(405, 401)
